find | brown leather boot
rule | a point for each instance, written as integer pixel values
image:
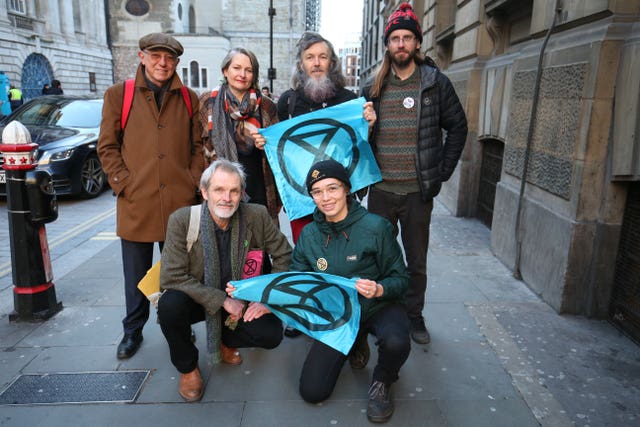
(191, 388)
(230, 355)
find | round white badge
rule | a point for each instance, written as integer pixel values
(408, 102)
(322, 264)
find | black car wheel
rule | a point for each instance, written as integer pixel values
(92, 178)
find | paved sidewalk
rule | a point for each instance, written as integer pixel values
(498, 357)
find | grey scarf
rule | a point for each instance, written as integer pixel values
(212, 270)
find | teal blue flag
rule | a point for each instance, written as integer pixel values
(293, 146)
(323, 306)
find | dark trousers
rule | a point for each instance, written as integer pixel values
(137, 258)
(323, 364)
(177, 312)
(415, 218)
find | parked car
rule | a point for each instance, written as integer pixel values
(66, 129)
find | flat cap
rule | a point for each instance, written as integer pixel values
(164, 41)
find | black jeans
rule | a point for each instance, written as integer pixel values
(137, 258)
(177, 312)
(323, 364)
(415, 218)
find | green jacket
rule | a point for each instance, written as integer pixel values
(362, 245)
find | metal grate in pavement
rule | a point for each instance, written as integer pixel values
(79, 387)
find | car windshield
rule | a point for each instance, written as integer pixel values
(78, 113)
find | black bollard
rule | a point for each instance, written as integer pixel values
(31, 203)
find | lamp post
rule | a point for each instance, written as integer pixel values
(272, 71)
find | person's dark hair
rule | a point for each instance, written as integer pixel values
(225, 165)
(55, 83)
(226, 62)
(308, 39)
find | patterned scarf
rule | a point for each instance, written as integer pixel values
(212, 271)
(231, 122)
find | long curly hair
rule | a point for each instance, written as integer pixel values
(299, 76)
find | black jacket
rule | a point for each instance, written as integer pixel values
(439, 109)
(302, 105)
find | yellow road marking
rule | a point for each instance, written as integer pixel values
(5, 268)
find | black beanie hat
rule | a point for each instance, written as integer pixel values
(403, 19)
(327, 169)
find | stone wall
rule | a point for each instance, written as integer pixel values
(248, 24)
(72, 53)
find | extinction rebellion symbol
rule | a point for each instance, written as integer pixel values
(314, 141)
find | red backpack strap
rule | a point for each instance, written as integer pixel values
(212, 97)
(127, 100)
(187, 99)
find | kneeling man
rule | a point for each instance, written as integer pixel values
(194, 278)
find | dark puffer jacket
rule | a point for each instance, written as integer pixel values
(361, 245)
(439, 109)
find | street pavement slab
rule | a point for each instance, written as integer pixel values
(499, 356)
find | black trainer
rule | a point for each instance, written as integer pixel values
(359, 354)
(380, 407)
(419, 332)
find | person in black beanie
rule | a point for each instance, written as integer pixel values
(317, 83)
(346, 240)
(415, 156)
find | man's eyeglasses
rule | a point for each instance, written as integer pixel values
(404, 39)
(157, 56)
(331, 190)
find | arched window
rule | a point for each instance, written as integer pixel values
(192, 20)
(36, 71)
(195, 74)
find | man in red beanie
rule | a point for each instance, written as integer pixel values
(414, 102)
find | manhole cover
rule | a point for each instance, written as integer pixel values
(82, 387)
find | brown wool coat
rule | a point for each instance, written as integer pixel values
(156, 169)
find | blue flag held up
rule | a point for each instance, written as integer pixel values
(323, 306)
(293, 146)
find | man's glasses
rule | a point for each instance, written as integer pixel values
(157, 56)
(404, 39)
(331, 190)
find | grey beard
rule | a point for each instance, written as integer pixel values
(319, 90)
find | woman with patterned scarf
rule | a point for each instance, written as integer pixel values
(234, 110)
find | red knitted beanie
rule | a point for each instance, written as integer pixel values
(403, 19)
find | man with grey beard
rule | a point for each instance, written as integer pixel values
(317, 82)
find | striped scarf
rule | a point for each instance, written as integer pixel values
(231, 122)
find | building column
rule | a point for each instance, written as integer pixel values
(66, 18)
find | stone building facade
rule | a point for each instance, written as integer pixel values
(208, 29)
(41, 40)
(572, 229)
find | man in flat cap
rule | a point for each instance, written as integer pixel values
(152, 154)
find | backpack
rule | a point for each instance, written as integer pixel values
(150, 283)
(127, 101)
